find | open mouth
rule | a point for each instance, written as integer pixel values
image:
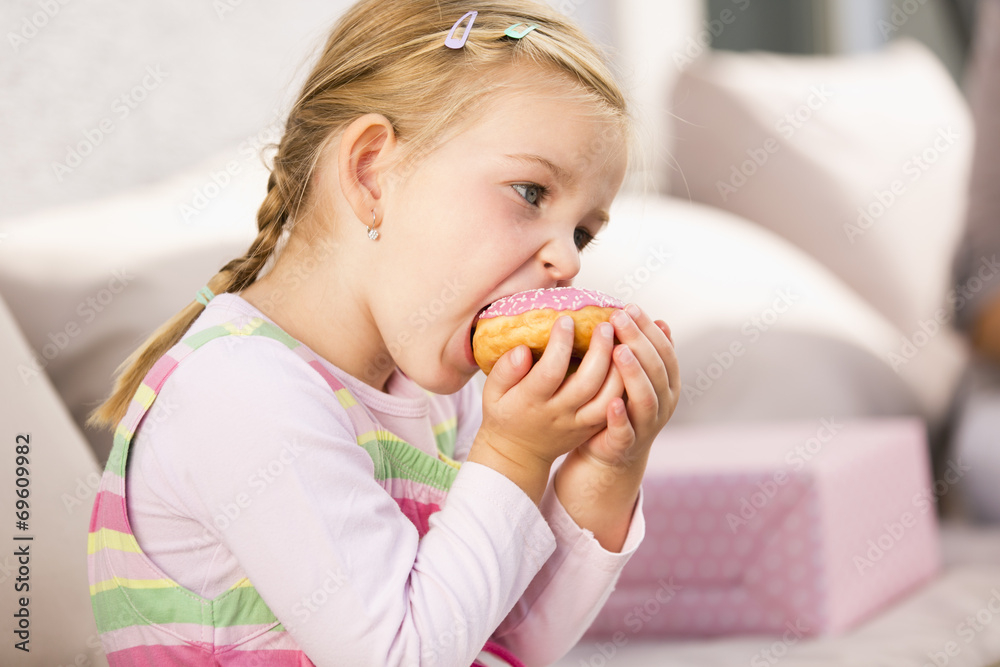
(475, 320)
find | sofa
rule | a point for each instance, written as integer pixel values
(807, 181)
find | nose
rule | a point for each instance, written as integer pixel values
(560, 260)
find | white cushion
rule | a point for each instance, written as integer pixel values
(62, 479)
(720, 291)
(861, 161)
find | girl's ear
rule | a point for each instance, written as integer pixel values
(366, 149)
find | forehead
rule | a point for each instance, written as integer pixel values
(551, 120)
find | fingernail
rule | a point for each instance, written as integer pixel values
(619, 318)
(633, 310)
(566, 322)
(605, 330)
(519, 355)
(618, 408)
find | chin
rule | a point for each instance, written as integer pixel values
(440, 381)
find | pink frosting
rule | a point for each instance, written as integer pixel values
(557, 298)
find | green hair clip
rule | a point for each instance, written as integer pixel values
(511, 32)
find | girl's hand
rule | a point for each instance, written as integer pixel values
(599, 481)
(531, 416)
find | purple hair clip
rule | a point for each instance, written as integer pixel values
(450, 41)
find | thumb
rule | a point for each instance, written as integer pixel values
(508, 371)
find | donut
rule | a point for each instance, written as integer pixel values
(527, 318)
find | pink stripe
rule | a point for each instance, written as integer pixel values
(418, 513)
(294, 658)
(159, 372)
(161, 656)
(109, 513)
(334, 383)
(503, 653)
(190, 656)
(400, 487)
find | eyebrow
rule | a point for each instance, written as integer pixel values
(561, 175)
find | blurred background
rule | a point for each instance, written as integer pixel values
(228, 69)
(801, 193)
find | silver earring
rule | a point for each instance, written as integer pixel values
(372, 232)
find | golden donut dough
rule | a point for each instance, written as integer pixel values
(496, 335)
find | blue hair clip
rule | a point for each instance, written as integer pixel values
(204, 296)
(450, 41)
(511, 32)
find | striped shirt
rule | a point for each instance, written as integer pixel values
(337, 517)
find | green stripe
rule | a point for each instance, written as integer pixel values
(116, 462)
(276, 332)
(240, 606)
(397, 459)
(446, 441)
(196, 340)
(266, 329)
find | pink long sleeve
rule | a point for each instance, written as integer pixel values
(250, 468)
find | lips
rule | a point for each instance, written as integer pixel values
(472, 332)
(472, 329)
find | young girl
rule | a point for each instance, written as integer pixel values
(302, 473)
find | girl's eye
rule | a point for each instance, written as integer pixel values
(582, 238)
(531, 192)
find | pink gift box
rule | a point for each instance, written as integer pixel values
(775, 528)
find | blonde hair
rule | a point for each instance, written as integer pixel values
(388, 57)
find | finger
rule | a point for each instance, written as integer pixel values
(550, 370)
(507, 372)
(670, 358)
(611, 446)
(665, 328)
(638, 340)
(621, 435)
(586, 382)
(657, 332)
(593, 411)
(643, 401)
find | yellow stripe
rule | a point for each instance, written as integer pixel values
(246, 329)
(450, 461)
(445, 426)
(378, 436)
(242, 583)
(122, 431)
(144, 395)
(116, 582)
(345, 398)
(105, 538)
